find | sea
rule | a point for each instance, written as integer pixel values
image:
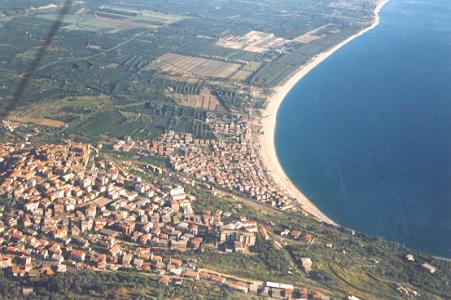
(366, 135)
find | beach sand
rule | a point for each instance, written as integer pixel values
(267, 139)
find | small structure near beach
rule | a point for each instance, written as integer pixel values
(410, 258)
(306, 264)
(431, 269)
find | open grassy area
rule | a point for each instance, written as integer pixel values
(151, 15)
(112, 20)
(86, 22)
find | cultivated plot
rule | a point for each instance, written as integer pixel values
(253, 41)
(114, 19)
(204, 100)
(194, 66)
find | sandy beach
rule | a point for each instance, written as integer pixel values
(266, 140)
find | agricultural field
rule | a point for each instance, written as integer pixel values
(85, 22)
(190, 66)
(253, 41)
(133, 52)
(246, 71)
(313, 35)
(204, 100)
(159, 18)
(113, 19)
(59, 113)
(93, 118)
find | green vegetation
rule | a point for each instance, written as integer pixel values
(128, 37)
(273, 258)
(367, 266)
(111, 285)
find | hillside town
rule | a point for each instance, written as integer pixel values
(65, 208)
(229, 161)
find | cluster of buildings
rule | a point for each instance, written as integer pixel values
(298, 236)
(238, 236)
(268, 289)
(229, 161)
(64, 207)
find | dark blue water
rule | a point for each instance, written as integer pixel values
(367, 134)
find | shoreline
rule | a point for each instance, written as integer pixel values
(266, 141)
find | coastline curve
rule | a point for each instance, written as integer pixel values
(266, 141)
